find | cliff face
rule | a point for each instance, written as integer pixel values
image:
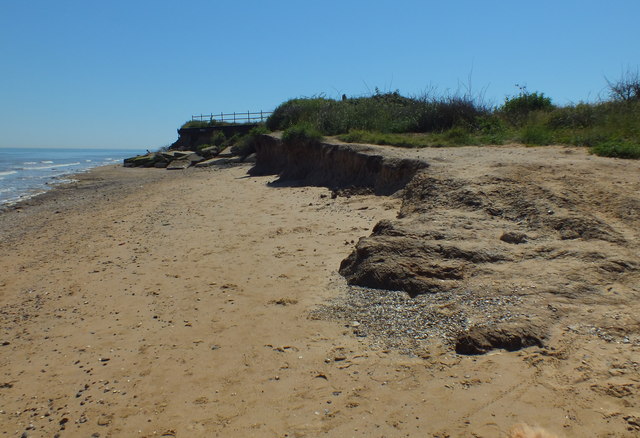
(334, 165)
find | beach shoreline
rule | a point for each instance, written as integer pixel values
(148, 302)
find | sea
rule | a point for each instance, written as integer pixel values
(26, 172)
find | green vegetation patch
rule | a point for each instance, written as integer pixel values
(617, 149)
(304, 133)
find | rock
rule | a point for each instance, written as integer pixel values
(509, 336)
(569, 234)
(176, 155)
(218, 162)
(398, 257)
(207, 163)
(104, 420)
(148, 160)
(179, 164)
(194, 158)
(209, 152)
(514, 237)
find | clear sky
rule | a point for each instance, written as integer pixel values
(127, 74)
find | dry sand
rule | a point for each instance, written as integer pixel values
(143, 302)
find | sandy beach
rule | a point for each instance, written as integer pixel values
(145, 302)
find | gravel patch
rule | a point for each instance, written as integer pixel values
(394, 320)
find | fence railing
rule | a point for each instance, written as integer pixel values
(248, 117)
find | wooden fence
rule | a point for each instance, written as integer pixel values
(242, 118)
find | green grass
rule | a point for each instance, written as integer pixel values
(403, 140)
(453, 137)
(616, 149)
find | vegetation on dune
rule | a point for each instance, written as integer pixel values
(381, 112)
(609, 128)
(244, 145)
(301, 133)
(204, 123)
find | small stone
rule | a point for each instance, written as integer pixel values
(569, 234)
(514, 237)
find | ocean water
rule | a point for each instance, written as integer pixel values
(25, 172)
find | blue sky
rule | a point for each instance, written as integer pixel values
(126, 74)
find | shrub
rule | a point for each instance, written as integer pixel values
(458, 136)
(258, 130)
(617, 149)
(244, 145)
(443, 113)
(626, 88)
(516, 109)
(301, 133)
(581, 115)
(535, 133)
(217, 138)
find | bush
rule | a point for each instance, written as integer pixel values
(617, 149)
(626, 88)
(516, 109)
(574, 116)
(444, 113)
(458, 136)
(302, 133)
(218, 138)
(535, 134)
